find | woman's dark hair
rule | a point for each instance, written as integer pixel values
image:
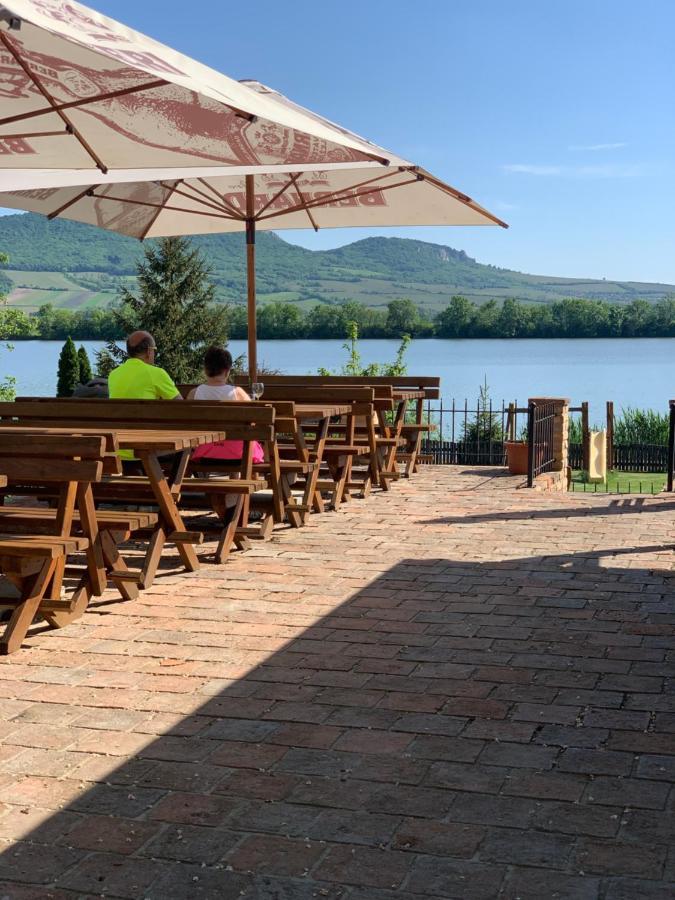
(216, 361)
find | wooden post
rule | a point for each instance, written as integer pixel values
(585, 438)
(511, 422)
(610, 435)
(250, 278)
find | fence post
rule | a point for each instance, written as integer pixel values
(585, 437)
(511, 422)
(610, 434)
(671, 445)
(531, 406)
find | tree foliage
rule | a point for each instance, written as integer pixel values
(69, 370)
(175, 303)
(354, 364)
(85, 366)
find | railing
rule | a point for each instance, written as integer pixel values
(540, 449)
(646, 458)
(470, 435)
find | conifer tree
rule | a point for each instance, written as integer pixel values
(69, 370)
(85, 366)
(175, 302)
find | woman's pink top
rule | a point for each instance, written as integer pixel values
(223, 449)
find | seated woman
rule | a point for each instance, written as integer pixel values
(217, 366)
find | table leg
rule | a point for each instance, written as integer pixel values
(33, 588)
(167, 506)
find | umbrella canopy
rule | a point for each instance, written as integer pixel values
(82, 91)
(189, 204)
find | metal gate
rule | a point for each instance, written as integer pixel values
(540, 449)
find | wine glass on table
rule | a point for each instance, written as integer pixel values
(257, 389)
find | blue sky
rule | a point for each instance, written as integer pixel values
(556, 116)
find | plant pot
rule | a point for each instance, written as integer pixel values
(516, 457)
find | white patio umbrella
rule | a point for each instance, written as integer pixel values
(195, 204)
(79, 90)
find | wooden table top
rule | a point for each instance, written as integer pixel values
(149, 439)
(321, 410)
(409, 395)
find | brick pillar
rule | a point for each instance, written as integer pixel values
(560, 430)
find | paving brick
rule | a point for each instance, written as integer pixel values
(572, 818)
(101, 874)
(368, 741)
(618, 791)
(437, 838)
(436, 747)
(410, 800)
(25, 862)
(566, 736)
(178, 881)
(659, 768)
(499, 731)
(112, 835)
(274, 855)
(192, 809)
(620, 859)
(595, 762)
(638, 889)
(455, 878)
(363, 866)
(535, 884)
(486, 809)
(555, 715)
(526, 847)
(352, 827)
(465, 777)
(518, 756)
(191, 843)
(648, 827)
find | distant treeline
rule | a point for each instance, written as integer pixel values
(460, 319)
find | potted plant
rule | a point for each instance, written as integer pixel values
(516, 454)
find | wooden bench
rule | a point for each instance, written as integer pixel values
(243, 424)
(33, 562)
(285, 462)
(115, 526)
(339, 448)
(412, 432)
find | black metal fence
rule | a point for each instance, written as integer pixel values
(471, 435)
(476, 434)
(540, 448)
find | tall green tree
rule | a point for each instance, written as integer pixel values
(456, 319)
(403, 317)
(175, 302)
(69, 370)
(85, 366)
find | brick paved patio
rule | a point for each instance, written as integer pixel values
(459, 690)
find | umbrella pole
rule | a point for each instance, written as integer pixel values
(250, 280)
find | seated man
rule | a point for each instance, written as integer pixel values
(140, 379)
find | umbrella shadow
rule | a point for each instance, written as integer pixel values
(391, 744)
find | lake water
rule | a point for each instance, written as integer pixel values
(631, 372)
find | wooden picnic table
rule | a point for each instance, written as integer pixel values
(314, 418)
(148, 445)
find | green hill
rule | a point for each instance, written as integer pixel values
(79, 266)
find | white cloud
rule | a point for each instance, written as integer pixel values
(596, 147)
(634, 170)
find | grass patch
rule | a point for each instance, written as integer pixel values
(621, 483)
